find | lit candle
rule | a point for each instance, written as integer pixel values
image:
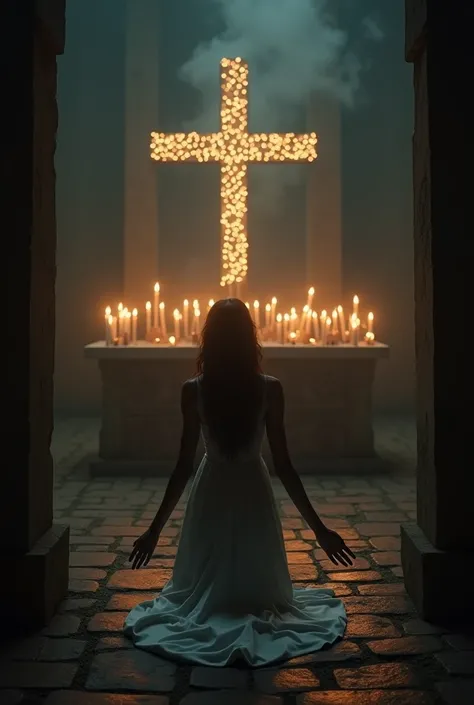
(342, 323)
(196, 304)
(172, 340)
(355, 323)
(334, 322)
(309, 318)
(316, 325)
(197, 321)
(119, 319)
(110, 326)
(309, 303)
(113, 326)
(370, 322)
(129, 324)
(148, 316)
(186, 318)
(326, 329)
(322, 318)
(256, 314)
(134, 325)
(304, 316)
(293, 320)
(355, 303)
(268, 309)
(162, 319)
(176, 316)
(279, 320)
(156, 305)
(286, 325)
(273, 314)
(108, 311)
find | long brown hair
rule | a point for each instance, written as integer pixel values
(230, 364)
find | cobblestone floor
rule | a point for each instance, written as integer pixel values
(387, 657)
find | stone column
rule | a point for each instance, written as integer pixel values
(437, 551)
(323, 209)
(140, 236)
(34, 552)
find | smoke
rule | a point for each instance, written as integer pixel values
(294, 49)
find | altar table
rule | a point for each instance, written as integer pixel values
(328, 416)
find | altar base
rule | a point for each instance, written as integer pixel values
(328, 419)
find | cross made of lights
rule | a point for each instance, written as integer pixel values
(233, 147)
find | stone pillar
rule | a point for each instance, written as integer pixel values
(34, 552)
(437, 551)
(323, 209)
(140, 237)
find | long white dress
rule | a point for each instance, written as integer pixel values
(230, 597)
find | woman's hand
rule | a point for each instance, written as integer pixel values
(334, 547)
(143, 548)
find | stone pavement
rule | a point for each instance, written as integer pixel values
(388, 656)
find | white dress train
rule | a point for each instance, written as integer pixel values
(230, 596)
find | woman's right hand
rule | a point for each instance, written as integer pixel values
(334, 547)
(143, 548)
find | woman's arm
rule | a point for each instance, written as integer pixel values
(281, 459)
(185, 464)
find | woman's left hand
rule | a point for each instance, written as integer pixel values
(143, 548)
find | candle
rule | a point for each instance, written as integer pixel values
(326, 329)
(197, 321)
(293, 338)
(156, 305)
(304, 316)
(176, 316)
(172, 340)
(293, 319)
(196, 304)
(369, 338)
(279, 320)
(268, 309)
(355, 322)
(162, 319)
(148, 316)
(316, 325)
(273, 314)
(286, 325)
(342, 323)
(370, 322)
(334, 322)
(322, 318)
(355, 303)
(256, 313)
(129, 324)
(113, 327)
(119, 320)
(186, 318)
(309, 318)
(134, 325)
(108, 311)
(309, 302)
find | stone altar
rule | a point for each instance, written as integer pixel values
(328, 392)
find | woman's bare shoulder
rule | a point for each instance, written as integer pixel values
(273, 384)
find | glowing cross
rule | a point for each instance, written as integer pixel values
(233, 147)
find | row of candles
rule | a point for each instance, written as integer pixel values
(307, 327)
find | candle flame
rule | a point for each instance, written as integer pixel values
(162, 305)
(274, 301)
(256, 304)
(197, 312)
(186, 302)
(157, 288)
(108, 311)
(328, 321)
(312, 341)
(286, 316)
(315, 315)
(279, 318)
(195, 303)
(247, 304)
(306, 308)
(128, 314)
(292, 334)
(370, 316)
(176, 314)
(268, 308)
(120, 307)
(110, 320)
(340, 310)
(355, 300)
(293, 311)
(324, 313)
(172, 340)
(334, 313)
(135, 312)
(311, 291)
(148, 305)
(211, 303)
